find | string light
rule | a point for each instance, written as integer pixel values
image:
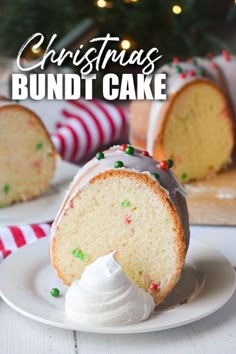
(177, 9)
(125, 44)
(101, 3)
(130, 1)
(36, 49)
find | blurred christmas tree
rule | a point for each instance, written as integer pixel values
(177, 27)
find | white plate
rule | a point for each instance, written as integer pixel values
(28, 290)
(45, 207)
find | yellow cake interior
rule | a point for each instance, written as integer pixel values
(121, 212)
(198, 132)
(26, 156)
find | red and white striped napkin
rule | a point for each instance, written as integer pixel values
(82, 128)
(86, 126)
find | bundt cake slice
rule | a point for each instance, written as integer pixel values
(27, 155)
(193, 127)
(124, 200)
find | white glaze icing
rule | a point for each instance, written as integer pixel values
(104, 295)
(228, 68)
(137, 163)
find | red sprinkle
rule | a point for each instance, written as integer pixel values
(226, 55)
(145, 153)
(214, 65)
(37, 164)
(32, 123)
(123, 147)
(176, 60)
(189, 60)
(164, 164)
(182, 75)
(191, 73)
(128, 219)
(154, 286)
(71, 204)
(210, 55)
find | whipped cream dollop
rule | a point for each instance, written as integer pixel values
(104, 295)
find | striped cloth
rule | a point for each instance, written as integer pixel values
(83, 127)
(14, 237)
(86, 126)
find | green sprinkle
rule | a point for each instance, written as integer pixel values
(170, 65)
(194, 61)
(39, 145)
(100, 155)
(126, 203)
(129, 150)
(184, 175)
(170, 163)
(178, 69)
(6, 188)
(201, 72)
(187, 117)
(79, 254)
(118, 164)
(55, 292)
(156, 175)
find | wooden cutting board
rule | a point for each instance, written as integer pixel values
(213, 202)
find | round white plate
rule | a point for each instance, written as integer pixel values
(27, 290)
(45, 207)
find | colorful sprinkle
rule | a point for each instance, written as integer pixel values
(201, 71)
(129, 150)
(187, 117)
(182, 75)
(100, 155)
(55, 292)
(170, 163)
(37, 164)
(145, 153)
(194, 61)
(126, 203)
(6, 188)
(214, 65)
(164, 165)
(178, 69)
(210, 55)
(175, 60)
(154, 287)
(170, 65)
(155, 175)
(189, 60)
(184, 175)
(32, 123)
(128, 219)
(79, 254)
(123, 147)
(118, 164)
(39, 145)
(71, 204)
(191, 73)
(226, 55)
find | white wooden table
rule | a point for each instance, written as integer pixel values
(215, 334)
